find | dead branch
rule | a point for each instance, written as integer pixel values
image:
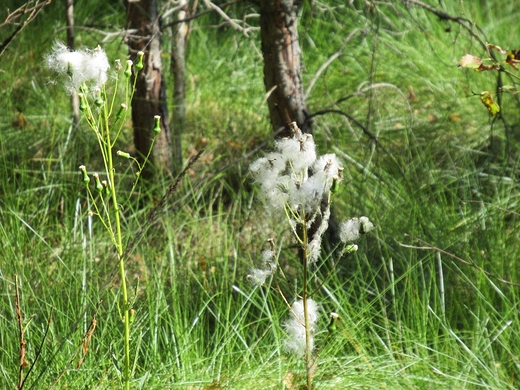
(107, 35)
(85, 343)
(464, 22)
(350, 118)
(22, 361)
(430, 247)
(211, 8)
(329, 61)
(40, 348)
(12, 17)
(23, 10)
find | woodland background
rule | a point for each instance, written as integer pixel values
(431, 298)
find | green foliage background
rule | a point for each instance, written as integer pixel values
(421, 303)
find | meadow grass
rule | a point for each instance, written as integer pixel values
(420, 304)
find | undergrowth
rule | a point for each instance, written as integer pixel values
(428, 301)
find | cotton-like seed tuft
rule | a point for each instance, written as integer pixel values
(258, 276)
(352, 229)
(295, 329)
(81, 66)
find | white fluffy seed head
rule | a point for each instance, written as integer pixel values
(81, 66)
(294, 326)
(293, 177)
(329, 164)
(258, 276)
(314, 250)
(352, 229)
(288, 147)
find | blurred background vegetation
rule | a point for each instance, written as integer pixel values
(429, 301)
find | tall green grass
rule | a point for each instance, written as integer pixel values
(441, 189)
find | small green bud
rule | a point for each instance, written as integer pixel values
(132, 315)
(123, 154)
(334, 317)
(139, 65)
(122, 110)
(99, 186)
(86, 179)
(82, 102)
(335, 185)
(351, 248)
(107, 188)
(157, 127)
(128, 71)
(99, 100)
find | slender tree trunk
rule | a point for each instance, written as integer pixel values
(283, 82)
(282, 66)
(178, 69)
(150, 95)
(69, 17)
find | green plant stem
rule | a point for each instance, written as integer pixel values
(308, 352)
(120, 250)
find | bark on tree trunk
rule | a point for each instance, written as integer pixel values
(178, 69)
(282, 66)
(150, 95)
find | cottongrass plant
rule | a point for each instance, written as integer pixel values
(87, 72)
(296, 181)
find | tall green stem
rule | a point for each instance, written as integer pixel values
(119, 245)
(308, 351)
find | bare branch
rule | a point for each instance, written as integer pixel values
(107, 35)
(329, 61)
(27, 8)
(465, 23)
(197, 15)
(430, 247)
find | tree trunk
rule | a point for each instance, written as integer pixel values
(178, 69)
(282, 66)
(150, 95)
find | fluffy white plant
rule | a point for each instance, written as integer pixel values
(293, 177)
(352, 229)
(258, 276)
(81, 66)
(295, 328)
(295, 181)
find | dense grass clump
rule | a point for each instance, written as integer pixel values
(430, 300)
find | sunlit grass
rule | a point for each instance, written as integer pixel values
(413, 314)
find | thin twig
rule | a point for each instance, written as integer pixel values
(22, 361)
(24, 9)
(470, 263)
(40, 347)
(197, 15)
(85, 342)
(152, 216)
(465, 23)
(351, 118)
(107, 35)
